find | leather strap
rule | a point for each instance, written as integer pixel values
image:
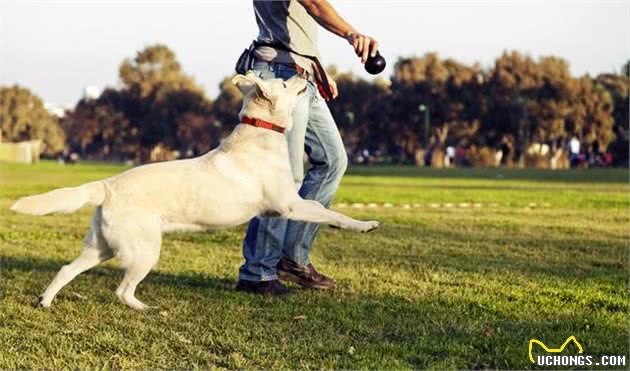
(323, 85)
(262, 124)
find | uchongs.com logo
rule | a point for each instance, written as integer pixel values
(551, 358)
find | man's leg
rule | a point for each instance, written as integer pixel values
(265, 237)
(328, 162)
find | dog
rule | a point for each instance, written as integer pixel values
(247, 175)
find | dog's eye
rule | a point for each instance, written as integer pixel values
(284, 84)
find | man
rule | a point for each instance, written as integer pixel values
(287, 45)
(574, 151)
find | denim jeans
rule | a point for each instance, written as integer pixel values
(314, 131)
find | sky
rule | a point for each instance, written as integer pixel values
(56, 48)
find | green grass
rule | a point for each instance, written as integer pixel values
(440, 288)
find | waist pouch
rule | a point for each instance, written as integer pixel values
(246, 60)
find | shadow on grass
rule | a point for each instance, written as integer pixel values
(340, 329)
(187, 279)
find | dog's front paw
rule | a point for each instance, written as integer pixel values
(369, 226)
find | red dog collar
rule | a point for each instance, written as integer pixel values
(262, 124)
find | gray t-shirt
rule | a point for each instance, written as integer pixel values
(288, 23)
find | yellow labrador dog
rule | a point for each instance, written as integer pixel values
(247, 175)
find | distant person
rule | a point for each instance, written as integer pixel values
(592, 155)
(598, 159)
(460, 156)
(505, 149)
(608, 159)
(574, 151)
(428, 157)
(498, 157)
(450, 156)
(286, 46)
(366, 156)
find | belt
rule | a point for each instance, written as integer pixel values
(319, 73)
(303, 73)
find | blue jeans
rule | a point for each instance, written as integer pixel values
(314, 131)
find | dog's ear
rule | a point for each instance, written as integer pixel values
(296, 84)
(249, 81)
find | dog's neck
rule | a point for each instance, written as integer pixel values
(262, 124)
(248, 138)
(261, 109)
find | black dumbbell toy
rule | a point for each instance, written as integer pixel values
(375, 65)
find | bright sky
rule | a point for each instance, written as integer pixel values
(56, 48)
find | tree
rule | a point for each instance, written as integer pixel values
(516, 102)
(102, 126)
(164, 95)
(361, 111)
(539, 101)
(511, 88)
(227, 104)
(158, 105)
(156, 68)
(590, 116)
(23, 117)
(617, 87)
(450, 90)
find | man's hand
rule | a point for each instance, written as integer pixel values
(363, 45)
(333, 88)
(327, 17)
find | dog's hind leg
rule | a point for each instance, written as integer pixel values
(314, 212)
(95, 252)
(135, 273)
(138, 247)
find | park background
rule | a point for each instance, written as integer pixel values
(501, 106)
(472, 262)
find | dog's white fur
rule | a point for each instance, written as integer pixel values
(247, 175)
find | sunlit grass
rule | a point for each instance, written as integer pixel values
(434, 288)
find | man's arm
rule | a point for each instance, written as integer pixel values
(327, 17)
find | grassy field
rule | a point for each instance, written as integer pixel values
(445, 284)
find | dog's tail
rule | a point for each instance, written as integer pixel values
(63, 200)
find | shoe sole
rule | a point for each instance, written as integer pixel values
(253, 292)
(286, 276)
(250, 290)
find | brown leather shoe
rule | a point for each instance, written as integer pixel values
(306, 276)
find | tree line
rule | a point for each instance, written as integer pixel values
(518, 102)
